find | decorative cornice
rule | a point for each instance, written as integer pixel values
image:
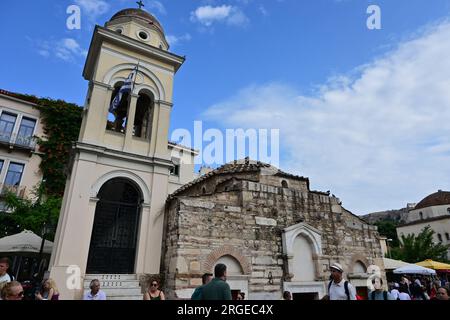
(99, 150)
(101, 34)
(165, 103)
(102, 85)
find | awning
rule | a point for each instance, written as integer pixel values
(24, 242)
(391, 264)
(414, 269)
(435, 265)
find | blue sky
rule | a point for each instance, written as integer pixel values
(363, 113)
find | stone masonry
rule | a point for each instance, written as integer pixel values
(241, 210)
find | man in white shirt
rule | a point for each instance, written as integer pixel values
(339, 288)
(95, 293)
(4, 265)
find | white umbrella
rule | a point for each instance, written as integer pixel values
(24, 242)
(414, 269)
(391, 264)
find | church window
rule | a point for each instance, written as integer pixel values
(448, 210)
(143, 117)
(447, 236)
(143, 35)
(175, 170)
(284, 184)
(303, 262)
(421, 215)
(203, 190)
(119, 30)
(439, 237)
(117, 117)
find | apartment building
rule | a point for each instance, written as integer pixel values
(20, 123)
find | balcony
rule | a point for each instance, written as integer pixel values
(17, 190)
(16, 141)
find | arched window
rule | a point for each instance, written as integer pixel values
(117, 117)
(421, 215)
(303, 264)
(144, 116)
(234, 268)
(284, 184)
(359, 267)
(439, 237)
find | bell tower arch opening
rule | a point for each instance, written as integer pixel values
(144, 115)
(117, 118)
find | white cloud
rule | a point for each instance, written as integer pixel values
(263, 11)
(156, 5)
(207, 15)
(175, 40)
(93, 8)
(66, 49)
(377, 139)
(43, 52)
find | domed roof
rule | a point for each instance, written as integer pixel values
(140, 14)
(436, 199)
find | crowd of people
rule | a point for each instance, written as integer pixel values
(215, 287)
(408, 288)
(419, 288)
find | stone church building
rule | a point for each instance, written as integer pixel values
(134, 207)
(269, 228)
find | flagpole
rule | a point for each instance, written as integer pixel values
(135, 76)
(132, 90)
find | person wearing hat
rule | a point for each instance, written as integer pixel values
(339, 288)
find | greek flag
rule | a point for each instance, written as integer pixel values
(125, 88)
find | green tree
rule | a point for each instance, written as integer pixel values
(25, 214)
(418, 248)
(388, 228)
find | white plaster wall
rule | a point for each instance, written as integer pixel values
(303, 262)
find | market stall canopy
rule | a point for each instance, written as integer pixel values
(414, 269)
(391, 264)
(435, 265)
(24, 242)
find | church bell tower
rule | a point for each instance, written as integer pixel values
(111, 220)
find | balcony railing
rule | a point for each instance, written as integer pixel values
(16, 140)
(17, 190)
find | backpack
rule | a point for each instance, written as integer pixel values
(347, 292)
(385, 296)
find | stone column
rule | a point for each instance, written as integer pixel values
(130, 122)
(96, 113)
(142, 239)
(160, 129)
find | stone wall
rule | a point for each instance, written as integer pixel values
(245, 219)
